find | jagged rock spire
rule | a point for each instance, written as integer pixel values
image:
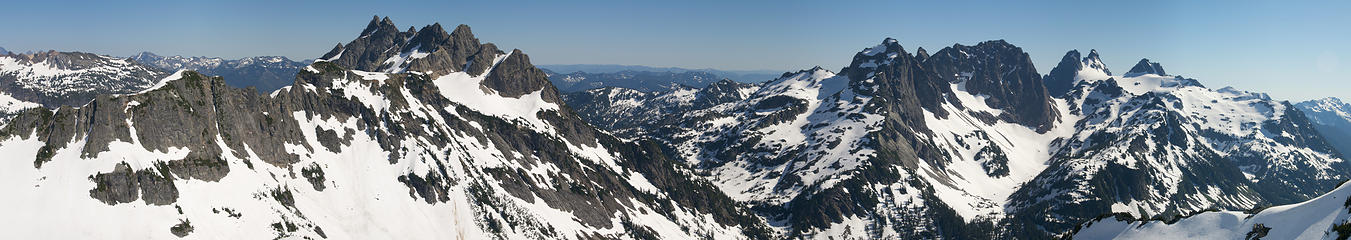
(1095, 62)
(921, 54)
(1062, 77)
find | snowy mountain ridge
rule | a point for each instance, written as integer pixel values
(266, 73)
(983, 162)
(1332, 117)
(351, 154)
(1331, 106)
(54, 78)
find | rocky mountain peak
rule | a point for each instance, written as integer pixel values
(998, 43)
(379, 25)
(430, 50)
(1002, 71)
(921, 54)
(1070, 58)
(1093, 61)
(462, 30)
(890, 46)
(1063, 77)
(1146, 67)
(428, 39)
(1073, 68)
(515, 77)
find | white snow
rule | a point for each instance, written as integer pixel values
(465, 89)
(8, 104)
(967, 187)
(1311, 219)
(164, 81)
(104, 74)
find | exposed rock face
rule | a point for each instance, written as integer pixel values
(515, 76)
(1004, 73)
(382, 48)
(366, 53)
(122, 185)
(1072, 69)
(1146, 67)
(189, 112)
(1062, 77)
(921, 54)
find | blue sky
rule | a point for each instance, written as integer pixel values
(1292, 49)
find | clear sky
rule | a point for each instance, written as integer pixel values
(1294, 50)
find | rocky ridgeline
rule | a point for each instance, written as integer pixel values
(506, 172)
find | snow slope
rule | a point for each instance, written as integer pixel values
(1313, 219)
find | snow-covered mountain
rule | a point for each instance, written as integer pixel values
(969, 143)
(1332, 117)
(397, 134)
(631, 114)
(266, 73)
(1074, 68)
(429, 134)
(1325, 217)
(1153, 145)
(893, 146)
(53, 79)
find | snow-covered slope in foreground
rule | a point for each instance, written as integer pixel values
(1324, 217)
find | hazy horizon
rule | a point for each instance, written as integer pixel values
(1286, 49)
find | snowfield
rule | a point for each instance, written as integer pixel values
(1313, 219)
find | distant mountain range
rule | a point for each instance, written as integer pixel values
(1332, 117)
(645, 81)
(746, 76)
(266, 73)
